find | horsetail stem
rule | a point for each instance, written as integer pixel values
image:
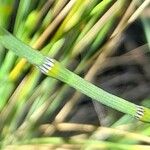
(54, 69)
(19, 48)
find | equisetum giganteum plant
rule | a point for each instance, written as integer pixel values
(53, 68)
(45, 46)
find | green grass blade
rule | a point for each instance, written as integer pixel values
(21, 14)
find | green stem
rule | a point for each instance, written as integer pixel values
(19, 48)
(59, 72)
(54, 69)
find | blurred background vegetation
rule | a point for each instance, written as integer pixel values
(106, 42)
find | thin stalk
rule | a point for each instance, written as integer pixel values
(100, 134)
(138, 11)
(21, 14)
(19, 48)
(58, 142)
(55, 23)
(91, 34)
(54, 69)
(39, 42)
(97, 11)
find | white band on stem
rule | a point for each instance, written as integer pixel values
(47, 65)
(140, 112)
